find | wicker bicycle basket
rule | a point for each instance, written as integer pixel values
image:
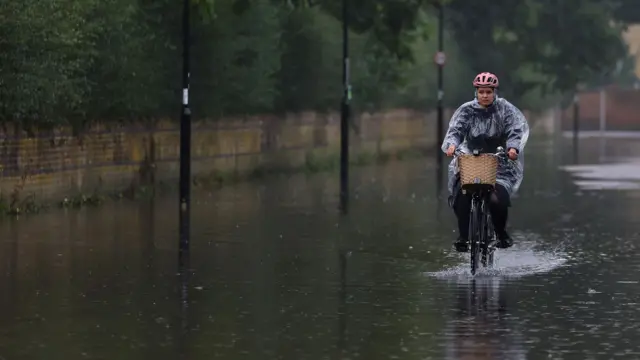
(478, 169)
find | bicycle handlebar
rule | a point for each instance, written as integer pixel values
(500, 152)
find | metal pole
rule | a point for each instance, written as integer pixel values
(344, 113)
(440, 127)
(603, 122)
(576, 117)
(576, 123)
(185, 135)
(603, 111)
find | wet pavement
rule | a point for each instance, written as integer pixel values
(278, 273)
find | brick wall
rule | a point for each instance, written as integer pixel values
(53, 165)
(622, 110)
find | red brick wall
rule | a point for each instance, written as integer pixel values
(622, 110)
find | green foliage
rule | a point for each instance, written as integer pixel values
(72, 62)
(420, 78)
(309, 78)
(538, 43)
(236, 59)
(627, 11)
(44, 57)
(131, 70)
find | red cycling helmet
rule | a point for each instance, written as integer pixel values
(486, 79)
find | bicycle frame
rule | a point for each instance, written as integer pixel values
(481, 232)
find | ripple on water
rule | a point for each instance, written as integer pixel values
(616, 176)
(522, 259)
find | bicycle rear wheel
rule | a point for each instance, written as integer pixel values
(475, 234)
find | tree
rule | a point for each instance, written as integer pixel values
(627, 11)
(393, 23)
(236, 59)
(538, 43)
(548, 44)
(42, 60)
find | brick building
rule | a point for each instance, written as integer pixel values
(622, 105)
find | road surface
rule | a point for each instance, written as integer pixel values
(277, 273)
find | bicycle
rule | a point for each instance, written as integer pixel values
(478, 172)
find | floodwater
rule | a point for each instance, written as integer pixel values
(276, 272)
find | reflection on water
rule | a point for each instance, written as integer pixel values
(622, 175)
(481, 327)
(276, 272)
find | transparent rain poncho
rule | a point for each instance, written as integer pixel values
(502, 124)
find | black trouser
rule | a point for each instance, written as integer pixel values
(498, 205)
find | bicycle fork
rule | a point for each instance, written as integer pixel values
(484, 236)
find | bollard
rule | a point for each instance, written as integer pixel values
(576, 124)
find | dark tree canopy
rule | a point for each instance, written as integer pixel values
(556, 44)
(72, 62)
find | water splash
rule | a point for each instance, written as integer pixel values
(522, 259)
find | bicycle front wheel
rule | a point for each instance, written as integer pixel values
(486, 239)
(475, 234)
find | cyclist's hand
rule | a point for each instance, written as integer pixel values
(451, 150)
(513, 154)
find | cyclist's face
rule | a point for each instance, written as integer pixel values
(485, 96)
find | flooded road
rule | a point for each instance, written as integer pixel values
(278, 273)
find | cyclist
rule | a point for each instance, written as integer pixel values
(485, 123)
